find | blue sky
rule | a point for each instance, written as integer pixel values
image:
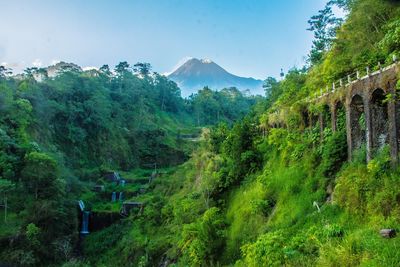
(248, 38)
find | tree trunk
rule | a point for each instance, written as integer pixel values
(5, 209)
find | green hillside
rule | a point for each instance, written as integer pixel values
(219, 179)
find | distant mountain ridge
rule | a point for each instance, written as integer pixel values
(195, 73)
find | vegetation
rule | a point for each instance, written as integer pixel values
(263, 187)
(58, 135)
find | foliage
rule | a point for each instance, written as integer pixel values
(202, 240)
(324, 26)
(76, 124)
(262, 188)
(227, 105)
(268, 250)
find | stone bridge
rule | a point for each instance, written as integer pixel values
(371, 108)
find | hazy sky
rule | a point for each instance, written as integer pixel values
(247, 38)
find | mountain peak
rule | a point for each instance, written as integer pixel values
(193, 60)
(206, 61)
(195, 73)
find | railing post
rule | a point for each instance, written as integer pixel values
(380, 66)
(341, 82)
(348, 79)
(358, 75)
(367, 68)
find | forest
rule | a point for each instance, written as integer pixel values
(235, 180)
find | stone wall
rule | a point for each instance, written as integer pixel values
(372, 118)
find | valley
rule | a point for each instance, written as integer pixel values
(122, 166)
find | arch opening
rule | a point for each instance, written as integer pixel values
(379, 119)
(305, 118)
(340, 116)
(358, 125)
(326, 117)
(313, 120)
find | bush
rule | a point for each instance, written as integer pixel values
(203, 239)
(268, 250)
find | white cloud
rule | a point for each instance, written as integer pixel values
(13, 64)
(16, 67)
(89, 68)
(37, 63)
(207, 61)
(55, 61)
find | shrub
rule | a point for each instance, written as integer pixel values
(268, 250)
(202, 240)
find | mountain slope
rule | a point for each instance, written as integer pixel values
(194, 74)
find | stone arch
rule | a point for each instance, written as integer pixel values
(339, 121)
(305, 116)
(357, 123)
(326, 116)
(397, 122)
(313, 119)
(379, 119)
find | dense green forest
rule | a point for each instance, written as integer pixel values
(241, 181)
(59, 134)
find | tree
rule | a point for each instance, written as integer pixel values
(64, 247)
(4, 72)
(324, 26)
(203, 239)
(142, 68)
(5, 187)
(391, 40)
(270, 85)
(40, 175)
(29, 72)
(105, 69)
(122, 68)
(343, 4)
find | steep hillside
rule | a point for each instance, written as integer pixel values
(276, 188)
(60, 134)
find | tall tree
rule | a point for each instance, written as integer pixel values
(4, 72)
(5, 188)
(142, 68)
(122, 68)
(324, 26)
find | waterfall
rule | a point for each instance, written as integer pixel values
(122, 182)
(121, 196)
(114, 196)
(81, 205)
(85, 222)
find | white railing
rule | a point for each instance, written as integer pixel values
(349, 79)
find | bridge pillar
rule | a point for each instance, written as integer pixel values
(313, 118)
(394, 147)
(334, 118)
(348, 131)
(321, 125)
(358, 124)
(368, 130)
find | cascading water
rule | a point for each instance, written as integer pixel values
(85, 222)
(81, 205)
(121, 196)
(113, 196)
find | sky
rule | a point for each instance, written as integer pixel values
(253, 38)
